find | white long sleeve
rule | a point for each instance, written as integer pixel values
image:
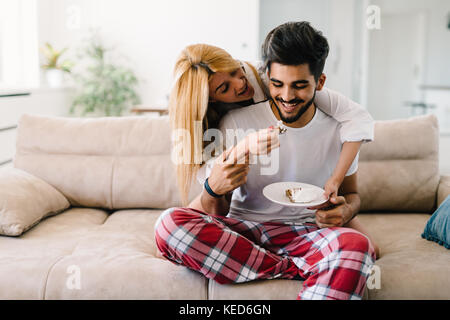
(356, 122)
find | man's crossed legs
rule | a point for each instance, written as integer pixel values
(334, 262)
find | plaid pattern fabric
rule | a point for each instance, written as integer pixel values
(333, 262)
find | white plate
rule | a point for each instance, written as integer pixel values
(276, 192)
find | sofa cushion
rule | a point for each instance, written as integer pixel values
(399, 170)
(25, 200)
(410, 267)
(109, 162)
(26, 261)
(118, 260)
(444, 189)
(115, 256)
(274, 289)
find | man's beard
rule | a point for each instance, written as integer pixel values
(299, 113)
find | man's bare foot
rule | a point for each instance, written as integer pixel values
(159, 254)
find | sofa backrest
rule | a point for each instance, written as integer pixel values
(109, 162)
(399, 170)
(125, 162)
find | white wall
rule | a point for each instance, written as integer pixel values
(433, 64)
(437, 34)
(151, 34)
(274, 13)
(342, 63)
(18, 44)
(336, 20)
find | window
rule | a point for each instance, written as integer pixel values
(19, 56)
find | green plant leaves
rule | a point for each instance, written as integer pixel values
(52, 56)
(106, 88)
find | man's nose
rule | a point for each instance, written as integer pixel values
(287, 93)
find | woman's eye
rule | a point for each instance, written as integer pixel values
(277, 85)
(225, 89)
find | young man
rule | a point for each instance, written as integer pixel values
(259, 239)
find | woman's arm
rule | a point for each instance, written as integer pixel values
(356, 122)
(348, 154)
(346, 158)
(357, 126)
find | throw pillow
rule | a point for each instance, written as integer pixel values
(438, 226)
(25, 200)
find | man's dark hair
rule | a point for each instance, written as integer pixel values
(295, 43)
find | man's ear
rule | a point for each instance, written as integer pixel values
(321, 81)
(268, 70)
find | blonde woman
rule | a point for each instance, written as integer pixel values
(209, 83)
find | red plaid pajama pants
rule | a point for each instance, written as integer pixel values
(333, 262)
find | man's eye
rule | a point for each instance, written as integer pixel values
(225, 89)
(277, 85)
(301, 87)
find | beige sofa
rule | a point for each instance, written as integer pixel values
(105, 181)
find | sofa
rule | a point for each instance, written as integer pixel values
(78, 207)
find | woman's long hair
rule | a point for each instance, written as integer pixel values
(188, 105)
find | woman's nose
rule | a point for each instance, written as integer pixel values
(239, 84)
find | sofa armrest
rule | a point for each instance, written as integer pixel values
(25, 200)
(443, 189)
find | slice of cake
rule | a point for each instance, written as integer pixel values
(281, 127)
(301, 195)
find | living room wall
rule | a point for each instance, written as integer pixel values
(151, 34)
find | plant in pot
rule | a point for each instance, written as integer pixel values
(54, 70)
(104, 88)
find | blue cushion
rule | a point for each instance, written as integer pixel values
(438, 226)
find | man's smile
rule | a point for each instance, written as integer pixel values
(289, 107)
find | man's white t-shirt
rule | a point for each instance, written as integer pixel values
(308, 155)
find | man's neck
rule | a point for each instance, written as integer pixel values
(302, 121)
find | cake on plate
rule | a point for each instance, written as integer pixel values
(301, 195)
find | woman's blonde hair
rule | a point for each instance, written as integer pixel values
(188, 105)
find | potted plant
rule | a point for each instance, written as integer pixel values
(54, 70)
(104, 88)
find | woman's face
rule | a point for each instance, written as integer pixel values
(230, 87)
